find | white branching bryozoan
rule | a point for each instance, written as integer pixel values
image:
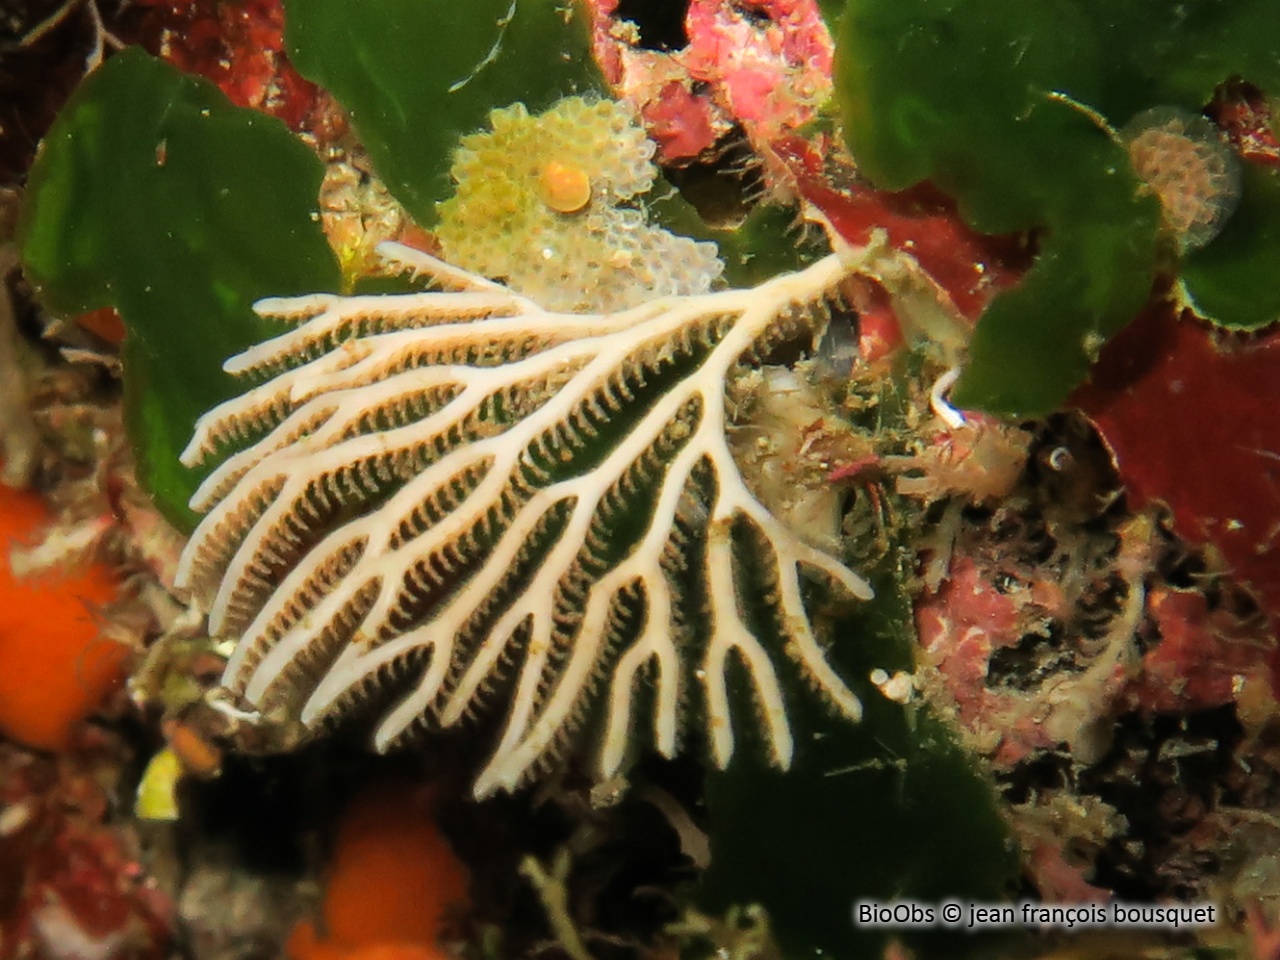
(447, 493)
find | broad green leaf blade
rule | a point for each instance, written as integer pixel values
(832, 11)
(415, 75)
(155, 195)
(1232, 281)
(1037, 341)
(1006, 107)
(955, 91)
(1172, 53)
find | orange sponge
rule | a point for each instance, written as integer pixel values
(305, 944)
(392, 882)
(55, 669)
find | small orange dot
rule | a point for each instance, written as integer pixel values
(565, 188)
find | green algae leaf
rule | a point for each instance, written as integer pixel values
(831, 11)
(888, 809)
(414, 75)
(1173, 53)
(956, 91)
(985, 99)
(1006, 107)
(1037, 341)
(1232, 281)
(154, 195)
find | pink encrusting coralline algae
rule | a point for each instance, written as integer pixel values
(763, 66)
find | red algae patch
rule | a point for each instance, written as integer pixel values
(55, 668)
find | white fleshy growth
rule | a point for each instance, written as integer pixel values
(447, 484)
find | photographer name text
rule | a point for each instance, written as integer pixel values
(992, 916)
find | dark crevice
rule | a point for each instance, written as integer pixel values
(660, 22)
(723, 186)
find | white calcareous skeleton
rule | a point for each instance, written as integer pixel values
(437, 494)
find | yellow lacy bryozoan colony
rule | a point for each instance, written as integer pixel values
(544, 203)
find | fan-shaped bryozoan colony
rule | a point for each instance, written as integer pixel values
(456, 493)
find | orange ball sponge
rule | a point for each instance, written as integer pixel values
(305, 944)
(55, 669)
(392, 882)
